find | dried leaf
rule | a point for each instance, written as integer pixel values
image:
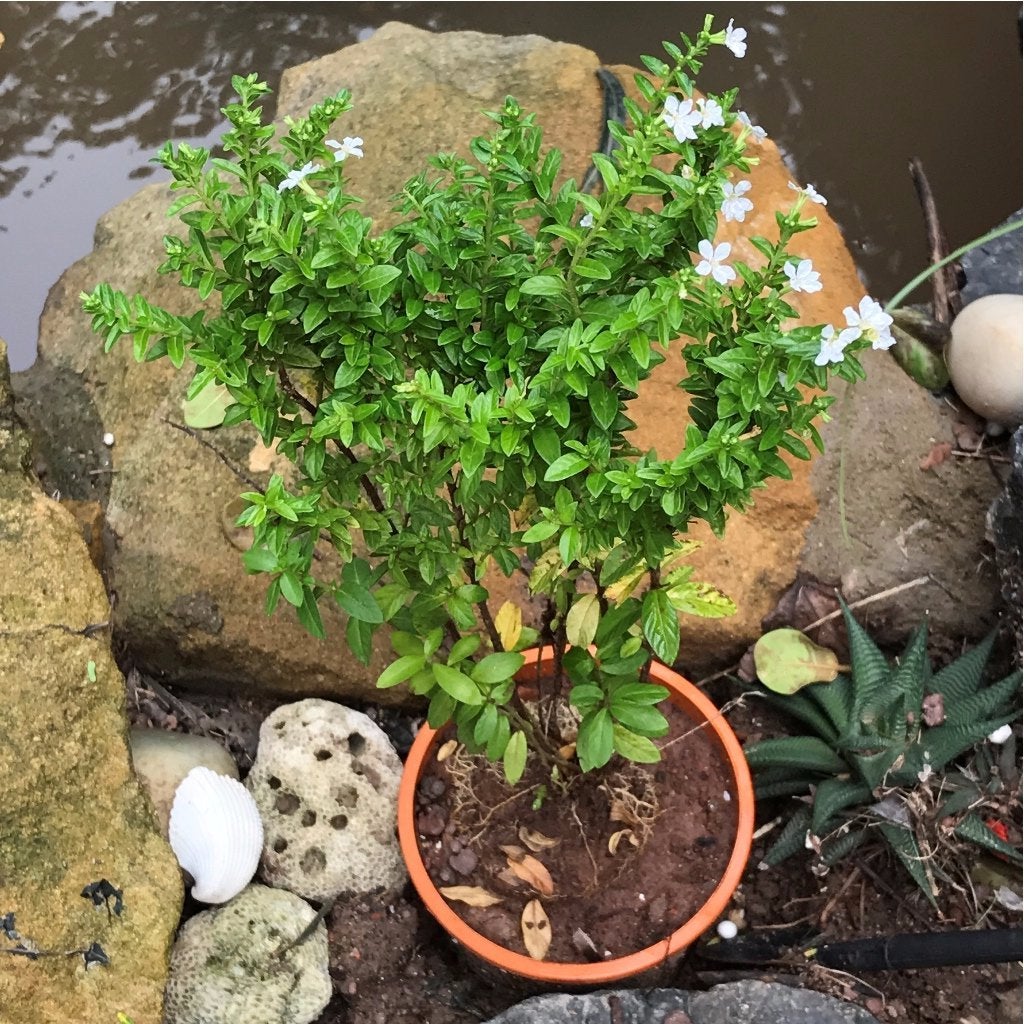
(514, 853)
(617, 837)
(537, 841)
(585, 945)
(472, 895)
(509, 623)
(568, 751)
(531, 871)
(932, 710)
(620, 812)
(447, 749)
(536, 930)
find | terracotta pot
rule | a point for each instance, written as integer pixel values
(685, 696)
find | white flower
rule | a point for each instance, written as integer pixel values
(925, 773)
(735, 39)
(296, 176)
(712, 263)
(587, 220)
(1001, 735)
(755, 129)
(872, 322)
(802, 276)
(681, 118)
(347, 147)
(811, 192)
(832, 345)
(735, 206)
(710, 113)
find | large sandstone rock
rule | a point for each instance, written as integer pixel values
(71, 812)
(186, 609)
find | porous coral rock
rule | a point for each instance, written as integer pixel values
(326, 783)
(237, 964)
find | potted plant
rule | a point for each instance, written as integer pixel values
(453, 393)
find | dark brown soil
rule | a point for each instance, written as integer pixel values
(675, 821)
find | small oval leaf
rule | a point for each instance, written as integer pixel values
(787, 661)
(536, 930)
(471, 895)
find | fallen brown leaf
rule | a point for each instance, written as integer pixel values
(537, 841)
(617, 837)
(620, 812)
(531, 871)
(940, 451)
(514, 853)
(536, 930)
(567, 751)
(472, 895)
(447, 749)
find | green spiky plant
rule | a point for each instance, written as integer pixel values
(869, 739)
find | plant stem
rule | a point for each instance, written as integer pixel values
(1004, 229)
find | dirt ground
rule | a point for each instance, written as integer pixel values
(391, 964)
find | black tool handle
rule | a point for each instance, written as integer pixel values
(939, 949)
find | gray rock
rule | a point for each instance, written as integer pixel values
(741, 1002)
(994, 268)
(325, 781)
(240, 963)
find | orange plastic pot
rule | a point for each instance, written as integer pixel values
(685, 696)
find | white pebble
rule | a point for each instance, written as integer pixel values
(726, 796)
(727, 930)
(1001, 735)
(108, 440)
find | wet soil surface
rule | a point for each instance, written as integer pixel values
(391, 964)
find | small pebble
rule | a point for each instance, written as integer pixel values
(726, 796)
(108, 440)
(430, 822)
(464, 862)
(727, 930)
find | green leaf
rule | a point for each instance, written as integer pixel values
(400, 670)
(804, 752)
(463, 648)
(596, 741)
(661, 626)
(833, 796)
(581, 622)
(634, 747)
(545, 285)
(457, 685)
(207, 409)
(641, 718)
(592, 268)
(291, 589)
(905, 846)
(974, 830)
(565, 466)
(496, 668)
(786, 660)
(440, 709)
(604, 404)
(695, 598)
(359, 636)
(357, 601)
(514, 759)
(540, 532)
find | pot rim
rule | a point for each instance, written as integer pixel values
(683, 693)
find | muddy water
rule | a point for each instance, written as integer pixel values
(88, 91)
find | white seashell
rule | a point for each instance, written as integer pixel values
(216, 834)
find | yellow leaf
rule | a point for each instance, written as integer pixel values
(567, 751)
(582, 620)
(545, 569)
(621, 589)
(537, 841)
(472, 895)
(509, 622)
(536, 930)
(531, 871)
